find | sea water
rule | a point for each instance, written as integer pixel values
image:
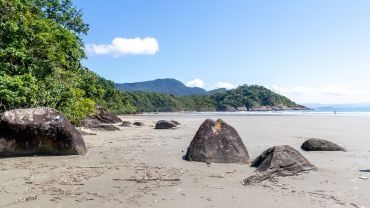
(335, 111)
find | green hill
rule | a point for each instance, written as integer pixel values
(243, 98)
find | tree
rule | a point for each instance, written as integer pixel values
(41, 49)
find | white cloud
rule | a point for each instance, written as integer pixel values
(224, 85)
(195, 83)
(126, 46)
(330, 94)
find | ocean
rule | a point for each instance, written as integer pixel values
(316, 109)
(330, 111)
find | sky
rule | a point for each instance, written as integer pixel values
(312, 51)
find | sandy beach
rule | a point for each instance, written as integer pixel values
(143, 167)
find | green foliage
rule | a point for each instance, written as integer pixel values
(104, 92)
(41, 49)
(250, 96)
(155, 102)
(243, 96)
(34, 41)
(18, 90)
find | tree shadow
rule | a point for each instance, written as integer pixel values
(365, 171)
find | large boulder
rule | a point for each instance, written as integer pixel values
(320, 145)
(101, 116)
(38, 131)
(162, 124)
(217, 142)
(279, 161)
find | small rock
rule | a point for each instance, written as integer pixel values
(125, 124)
(138, 123)
(162, 124)
(320, 145)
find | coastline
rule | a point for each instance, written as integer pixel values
(259, 113)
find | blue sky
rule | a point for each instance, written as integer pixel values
(313, 51)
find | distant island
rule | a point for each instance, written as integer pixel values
(171, 95)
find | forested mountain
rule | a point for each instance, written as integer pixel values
(165, 86)
(242, 98)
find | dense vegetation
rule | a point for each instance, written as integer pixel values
(249, 97)
(243, 96)
(41, 49)
(155, 102)
(145, 97)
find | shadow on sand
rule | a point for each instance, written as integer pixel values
(365, 171)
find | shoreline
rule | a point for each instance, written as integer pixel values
(257, 113)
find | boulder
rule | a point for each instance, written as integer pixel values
(320, 145)
(162, 124)
(126, 124)
(101, 116)
(217, 142)
(90, 122)
(106, 127)
(279, 161)
(38, 131)
(138, 123)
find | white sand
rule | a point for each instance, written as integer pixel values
(100, 178)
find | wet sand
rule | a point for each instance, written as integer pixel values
(143, 167)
